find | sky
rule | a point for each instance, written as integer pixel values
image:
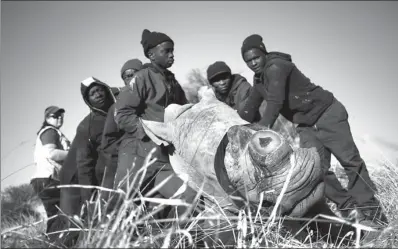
(48, 48)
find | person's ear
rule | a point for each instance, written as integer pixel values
(151, 55)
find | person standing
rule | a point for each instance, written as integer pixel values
(51, 149)
(111, 137)
(322, 122)
(148, 94)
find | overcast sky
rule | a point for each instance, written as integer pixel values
(47, 48)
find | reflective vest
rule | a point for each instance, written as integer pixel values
(45, 166)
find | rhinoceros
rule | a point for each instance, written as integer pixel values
(219, 153)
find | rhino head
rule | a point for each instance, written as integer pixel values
(256, 159)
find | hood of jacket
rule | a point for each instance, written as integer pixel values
(278, 55)
(269, 60)
(236, 80)
(235, 83)
(85, 86)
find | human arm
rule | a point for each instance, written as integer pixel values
(111, 132)
(86, 157)
(242, 94)
(128, 107)
(111, 136)
(182, 98)
(249, 110)
(277, 78)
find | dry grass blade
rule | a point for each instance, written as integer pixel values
(134, 225)
(272, 217)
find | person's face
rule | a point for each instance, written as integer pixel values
(221, 83)
(163, 54)
(128, 75)
(56, 119)
(255, 60)
(97, 96)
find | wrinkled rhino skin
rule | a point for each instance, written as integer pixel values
(267, 172)
(256, 160)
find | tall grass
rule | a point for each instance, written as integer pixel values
(135, 225)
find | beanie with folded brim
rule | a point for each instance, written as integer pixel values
(135, 64)
(216, 69)
(152, 39)
(253, 41)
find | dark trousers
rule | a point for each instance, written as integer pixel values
(332, 135)
(71, 199)
(105, 170)
(155, 174)
(48, 195)
(70, 205)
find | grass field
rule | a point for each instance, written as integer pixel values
(132, 227)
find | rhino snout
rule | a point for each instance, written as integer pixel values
(267, 148)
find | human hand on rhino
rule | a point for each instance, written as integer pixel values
(256, 160)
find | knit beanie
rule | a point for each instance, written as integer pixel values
(152, 39)
(253, 41)
(131, 64)
(217, 68)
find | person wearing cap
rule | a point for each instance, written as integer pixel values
(51, 149)
(322, 122)
(111, 136)
(148, 94)
(232, 89)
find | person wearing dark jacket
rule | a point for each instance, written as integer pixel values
(107, 163)
(150, 91)
(99, 97)
(78, 167)
(321, 120)
(232, 89)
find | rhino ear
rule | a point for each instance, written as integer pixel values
(206, 92)
(158, 132)
(173, 111)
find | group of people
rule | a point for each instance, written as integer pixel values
(110, 139)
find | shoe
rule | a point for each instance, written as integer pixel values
(374, 212)
(346, 211)
(357, 215)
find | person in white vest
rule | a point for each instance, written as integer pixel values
(51, 149)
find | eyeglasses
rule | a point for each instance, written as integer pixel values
(56, 116)
(128, 74)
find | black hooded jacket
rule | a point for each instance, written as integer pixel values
(149, 93)
(109, 150)
(287, 91)
(111, 138)
(88, 140)
(237, 94)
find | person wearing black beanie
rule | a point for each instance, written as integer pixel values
(129, 69)
(232, 89)
(150, 91)
(105, 169)
(322, 122)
